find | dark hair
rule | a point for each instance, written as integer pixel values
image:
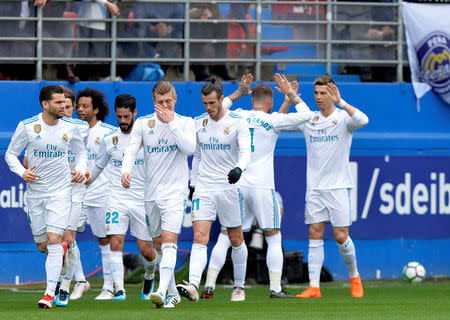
(213, 85)
(261, 92)
(48, 91)
(68, 93)
(323, 81)
(126, 101)
(98, 101)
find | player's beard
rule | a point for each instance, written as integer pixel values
(125, 127)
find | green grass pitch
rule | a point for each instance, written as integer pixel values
(394, 299)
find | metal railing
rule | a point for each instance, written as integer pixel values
(325, 18)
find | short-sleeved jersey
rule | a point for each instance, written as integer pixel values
(47, 149)
(112, 150)
(328, 142)
(221, 146)
(166, 148)
(264, 131)
(96, 192)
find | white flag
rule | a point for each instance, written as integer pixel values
(428, 38)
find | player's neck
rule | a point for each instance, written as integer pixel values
(92, 122)
(328, 111)
(220, 114)
(259, 108)
(49, 119)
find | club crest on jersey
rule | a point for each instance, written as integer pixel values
(107, 227)
(226, 130)
(97, 140)
(115, 140)
(315, 119)
(151, 123)
(205, 122)
(37, 128)
(334, 122)
(65, 138)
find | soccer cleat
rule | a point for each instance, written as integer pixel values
(105, 295)
(80, 288)
(238, 294)
(62, 299)
(157, 298)
(147, 288)
(188, 290)
(280, 294)
(207, 293)
(356, 287)
(46, 302)
(310, 292)
(172, 300)
(120, 295)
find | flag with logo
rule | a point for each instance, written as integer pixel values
(428, 38)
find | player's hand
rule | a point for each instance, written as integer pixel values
(164, 115)
(126, 180)
(78, 177)
(191, 192)
(284, 86)
(113, 8)
(245, 84)
(333, 92)
(30, 176)
(234, 175)
(88, 177)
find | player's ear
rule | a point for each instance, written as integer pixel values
(134, 113)
(96, 111)
(44, 104)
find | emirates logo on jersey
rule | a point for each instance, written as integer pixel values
(97, 140)
(65, 138)
(205, 122)
(115, 140)
(226, 131)
(37, 128)
(315, 119)
(151, 123)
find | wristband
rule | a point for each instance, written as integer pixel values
(342, 103)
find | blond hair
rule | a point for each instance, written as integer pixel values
(163, 87)
(323, 81)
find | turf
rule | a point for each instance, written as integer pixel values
(393, 299)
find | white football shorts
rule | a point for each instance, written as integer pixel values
(328, 206)
(263, 205)
(228, 205)
(167, 215)
(96, 217)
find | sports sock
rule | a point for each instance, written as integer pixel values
(53, 266)
(239, 258)
(172, 287)
(348, 252)
(106, 262)
(315, 261)
(78, 272)
(217, 259)
(167, 266)
(71, 261)
(149, 267)
(116, 262)
(197, 263)
(159, 257)
(274, 260)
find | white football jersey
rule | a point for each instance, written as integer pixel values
(78, 189)
(97, 191)
(264, 131)
(166, 148)
(47, 149)
(221, 146)
(112, 150)
(328, 142)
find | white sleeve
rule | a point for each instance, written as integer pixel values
(19, 141)
(244, 141)
(195, 164)
(101, 161)
(356, 121)
(291, 121)
(133, 147)
(183, 130)
(79, 150)
(102, 2)
(227, 103)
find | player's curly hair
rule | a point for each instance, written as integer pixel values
(98, 101)
(48, 91)
(163, 87)
(213, 85)
(126, 101)
(323, 81)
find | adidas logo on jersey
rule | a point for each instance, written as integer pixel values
(151, 132)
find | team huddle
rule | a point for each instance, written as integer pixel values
(137, 176)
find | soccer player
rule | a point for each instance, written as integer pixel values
(47, 138)
(92, 107)
(223, 152)
(168, 139)
(125, 206)
(257, 182)
(328, 137)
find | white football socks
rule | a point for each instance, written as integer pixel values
(348, 252)
(167, 266)
(53, 266)
(274, 260)
(239, 258)
(78, 272)
(117, 269)
(71, 261)
(315, 261)
(197, 263)
(217, 259)
(106, 262)
(149, 267)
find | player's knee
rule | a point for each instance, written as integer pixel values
(103, 241)
(200, 238)
(42, 247)
(340, 236)
(116, 243)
